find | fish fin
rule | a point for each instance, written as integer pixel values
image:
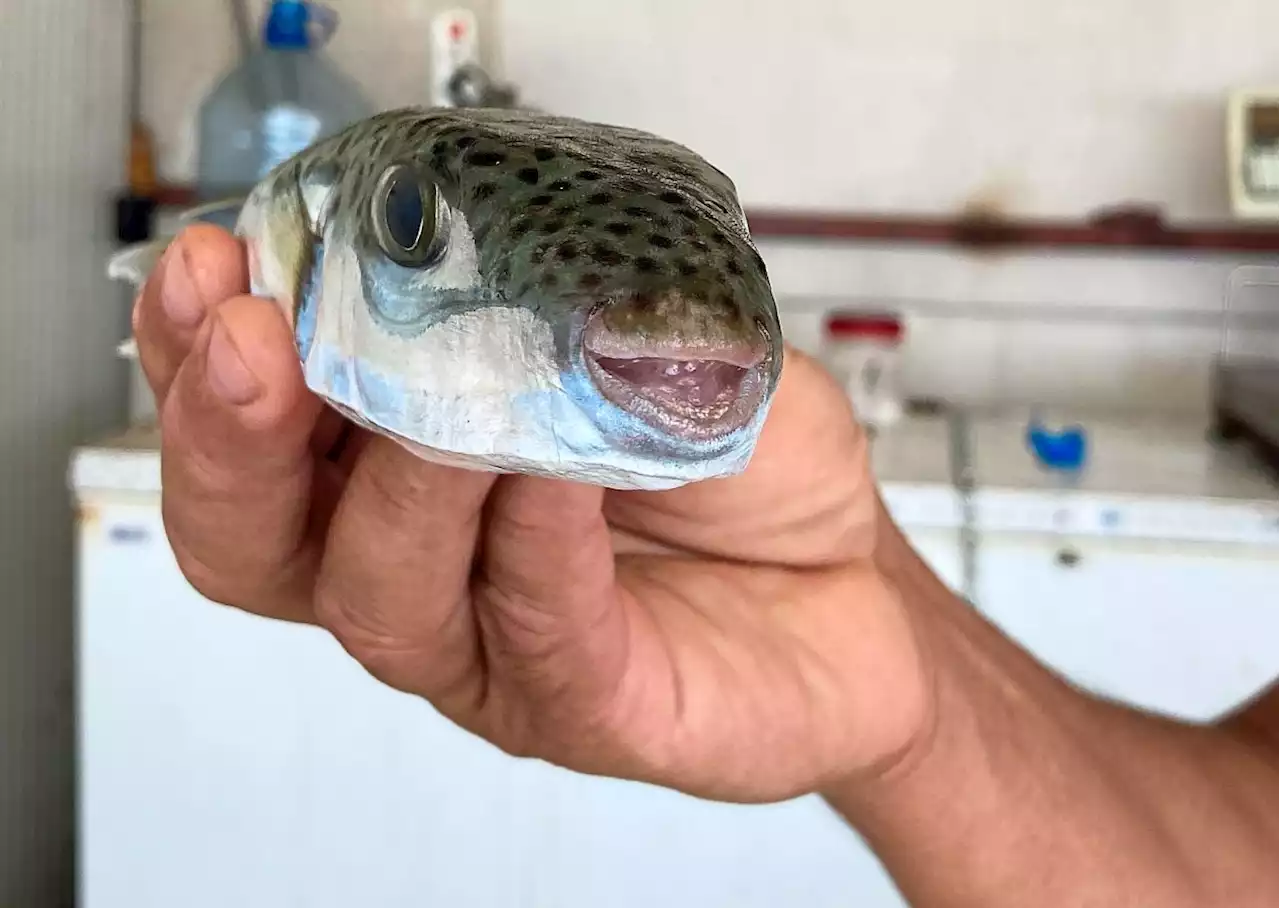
(134, 263)
(222, 212)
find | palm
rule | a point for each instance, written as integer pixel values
(674, 626)
(711, 621)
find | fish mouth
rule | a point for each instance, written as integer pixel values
(696, 390)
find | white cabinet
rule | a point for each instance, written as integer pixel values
(1184, 628)
(228, 760)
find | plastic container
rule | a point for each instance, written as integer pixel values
(863, 351)
(282, 97)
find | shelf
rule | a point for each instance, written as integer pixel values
(1133, 228)
(1117, 229)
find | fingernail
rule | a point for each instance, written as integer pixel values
(181, 300)
(229, 377)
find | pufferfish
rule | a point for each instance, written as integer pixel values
(512, 291)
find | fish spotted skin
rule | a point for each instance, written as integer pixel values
(658, 341)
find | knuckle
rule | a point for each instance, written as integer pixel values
(215, 585)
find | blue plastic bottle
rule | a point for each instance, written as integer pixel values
(286, 95)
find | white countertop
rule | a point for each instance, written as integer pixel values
(1130, 455)
(1143, 476)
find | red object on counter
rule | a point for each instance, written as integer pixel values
(868, 325)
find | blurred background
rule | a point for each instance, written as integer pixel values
(1036, 242)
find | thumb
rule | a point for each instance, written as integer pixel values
(236, 464)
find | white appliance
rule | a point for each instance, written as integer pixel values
(228, 760)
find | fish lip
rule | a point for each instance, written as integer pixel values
(686, 423)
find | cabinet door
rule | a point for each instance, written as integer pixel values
(1188, 630)
(229, 760)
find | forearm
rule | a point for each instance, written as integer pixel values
(1025, 791)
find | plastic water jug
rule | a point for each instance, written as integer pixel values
(282, 97)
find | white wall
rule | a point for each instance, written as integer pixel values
(915, 105)
(62, 91)
(931, 107)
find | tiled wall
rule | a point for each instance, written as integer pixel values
(917, 105)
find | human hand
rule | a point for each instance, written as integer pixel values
(729, 638)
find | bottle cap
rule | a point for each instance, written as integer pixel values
(286, 28)
(299, 25)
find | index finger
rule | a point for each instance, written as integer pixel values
(203, 266)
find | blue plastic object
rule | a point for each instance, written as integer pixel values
(287, 25)
(1065, 449)
(298, 25)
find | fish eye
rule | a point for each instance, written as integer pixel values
(406, 217)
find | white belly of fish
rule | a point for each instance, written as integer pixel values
(479, 390)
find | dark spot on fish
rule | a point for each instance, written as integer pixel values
(599, 198)
(647, 265)
(661, 242)
(567, 252)
(560, 186)
(606, 255)
(551, 227)
(618, 228)
(465, 141)
(547, 281)
(589, 175)
(719, 238)
(636, 211)
(586, 223)
(521, 227)
(734, 268)
(590, 281)
(671, 198)
(439, 148)
(725, 300)
(686, 268)
(484, 191)
(539, 200)
(544, 154)
(528, 175)
(485, 158)
(564, 210)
